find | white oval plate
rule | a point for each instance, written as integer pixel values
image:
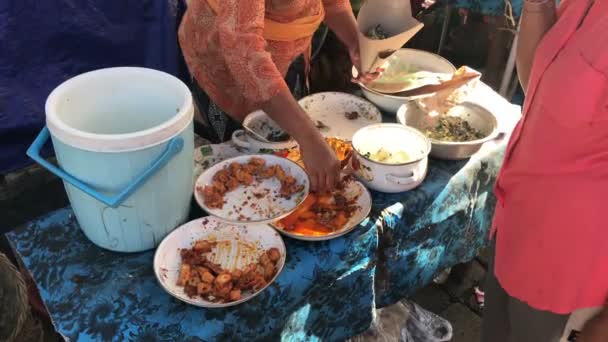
(246, 204)
(167, 259)
(330, 108)
(364, 202)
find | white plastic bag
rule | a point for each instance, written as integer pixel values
(406, 322)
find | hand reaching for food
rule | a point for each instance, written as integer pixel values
(321, 162)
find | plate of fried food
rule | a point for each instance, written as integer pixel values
(342, 148)
(330, 215)
(252, 189)
(212, 263)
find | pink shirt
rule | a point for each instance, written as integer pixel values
(552, 213)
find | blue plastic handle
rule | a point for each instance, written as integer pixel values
(174, 146)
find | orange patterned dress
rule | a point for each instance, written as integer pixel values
(229, 57)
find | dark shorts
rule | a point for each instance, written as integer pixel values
(507, 319)
(217, 126)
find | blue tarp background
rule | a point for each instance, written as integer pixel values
(45, 42)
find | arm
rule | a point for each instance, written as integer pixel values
(241, 25)
(339, 18)
(537, 18)
(596, 329)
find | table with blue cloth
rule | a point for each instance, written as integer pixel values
(326, 291)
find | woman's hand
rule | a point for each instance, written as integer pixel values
(321, 163)
(355, 57)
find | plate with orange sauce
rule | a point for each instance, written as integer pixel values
(327, 216)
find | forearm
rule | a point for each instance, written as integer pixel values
(288, 114)
(596, 329)
(344, 25)
(537, 18)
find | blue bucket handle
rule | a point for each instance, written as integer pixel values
(174, 146)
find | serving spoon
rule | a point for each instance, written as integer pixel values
(255, 134)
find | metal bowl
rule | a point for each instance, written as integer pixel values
(410, 114)
(420, 61)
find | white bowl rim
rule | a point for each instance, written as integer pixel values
(400, 126)
(365, 88)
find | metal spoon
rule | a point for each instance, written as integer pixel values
(255, 134)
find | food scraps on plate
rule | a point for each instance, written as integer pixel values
(322, 214)
(245, 174)
(201, 277)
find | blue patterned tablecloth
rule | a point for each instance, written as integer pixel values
(327, 290)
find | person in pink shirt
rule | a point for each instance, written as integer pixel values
(550, 228)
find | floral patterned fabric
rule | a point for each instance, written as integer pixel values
(228, 55)
(326, 291)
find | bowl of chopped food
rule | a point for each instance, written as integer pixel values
(212, 263)
(411, 66)
(456, 134)
(390, 157)
(260, 123)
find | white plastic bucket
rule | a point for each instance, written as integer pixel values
(123, 138)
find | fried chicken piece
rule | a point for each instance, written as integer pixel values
(258, 162)
(234, 295)
(192, 257)
(190, 291)
(243, 176)
(258, 282)
(236, 275)
(264, 259)
(273, 254)
(223, 291)
(221, 176)
(194, 280)
(213, 198)
(267, 172)
(233, 167)
(207, 277)
(232, 184)
(203, 246)
(203, 288)
(215, 268)
(222, 280)
(279, 173)
(255, 166)
(184, 274)
(269, 271)
(219, 187)
(289, 190)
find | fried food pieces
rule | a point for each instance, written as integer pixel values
(237, 174)
(321, 214)
(201, 277)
